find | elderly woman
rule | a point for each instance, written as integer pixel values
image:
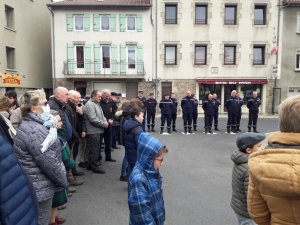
(38, 150)
(274, 189)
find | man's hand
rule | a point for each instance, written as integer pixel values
(79, 110)
(106, 125)
(83, 134)
(110, 121)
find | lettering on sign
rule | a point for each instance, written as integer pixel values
(233, 82)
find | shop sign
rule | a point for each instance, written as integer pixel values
(228, 81)
(11, 80)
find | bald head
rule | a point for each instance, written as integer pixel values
(233, 93)
(210, 97)
(61, 94)
(188, 93)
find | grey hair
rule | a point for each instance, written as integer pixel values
(30, 98)
(233, 91)
(58, 90)
(106, 91)
(54, 112)
(72, 94)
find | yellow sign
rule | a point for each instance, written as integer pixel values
(11, 80)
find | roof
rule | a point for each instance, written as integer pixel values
(95, 3)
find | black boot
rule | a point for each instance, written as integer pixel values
(216, 128)
(205, 130)
(249, 129)
(161, 130)
(238, 129)
(254, 130)
(185, 130)
(148, 128)
(169, 131)
(195, 128)
(174, 129)
(233, 130)
(228, 130)
(190, 130)
(210, 131)
(152, 129)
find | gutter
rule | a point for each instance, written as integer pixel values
(53, 51)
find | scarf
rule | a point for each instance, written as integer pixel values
(11, 130)
(50, 123)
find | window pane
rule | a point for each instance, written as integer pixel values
(248, 89)
(259, 16)
(130, 23)
(78, 22)
(206, 89)
(200, 55)
(106, 56)
(298, 24)
(80, 56)
(229, 55)
(170, 55)
(200, 14)
(298, 61)
(230, 15)
(105, 22)
(171, 14)
(258, 56)
(131, 57)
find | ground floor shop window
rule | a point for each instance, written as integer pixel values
(206, 89)
(248, 89)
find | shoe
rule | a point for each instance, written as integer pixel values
(99, 170)
(255, 131)
(206, 131)
(169, 131)
(123, 178)
(62, 207)
(195, 129)
(70, 195)
(174, 130)
(76, 182)
(148, 130)
(190, 130)
(239, 130)
(71, 190)
(234, 131)
(210, 131)
(152, 130)
(249, 129)
(77, 173)
(216, 129)
(161, 131)
(82, 164)
(110, 160)
(59, 220)
(115, 147)
(185, 131)
(228, 131)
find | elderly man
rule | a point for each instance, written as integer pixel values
(253, 106)
(116, 124)
(232, 105)
(109, 109)
(187, 105)
(95, 124)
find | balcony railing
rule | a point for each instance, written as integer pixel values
(103, 68)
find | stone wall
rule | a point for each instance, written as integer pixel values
(65, 82)
(269, 97)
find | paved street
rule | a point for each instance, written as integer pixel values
(196, 179)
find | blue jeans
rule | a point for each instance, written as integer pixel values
(124, 166)
(241, 220)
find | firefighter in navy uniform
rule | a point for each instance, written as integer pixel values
(232, 106)
(187, 104)
(151, 110)
(195, 112)
(166, 106)
(143, 100)
(208, 107)
(239, 114)
(253, 106)
(174, 112)
(216, 103)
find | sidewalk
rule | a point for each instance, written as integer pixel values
(224, 115)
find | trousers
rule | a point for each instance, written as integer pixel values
(232, 119)
(107, 141)
(173, 120)
(163, 118)
(195, 117)
(238, 119)
(208, 119)
(114, 134)
(187, 120)
(93, 145)
(83, 153)
(151, 119)
(216, 118)
(252, 120)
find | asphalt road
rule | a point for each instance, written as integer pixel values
(196, 180)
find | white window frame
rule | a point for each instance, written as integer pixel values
(131, 70)
(108, 22)
(175, 55)
(297, 53)
(74, 23)
(298, 23)
(105, 70)
(134, 22)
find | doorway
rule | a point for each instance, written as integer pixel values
(228, 88)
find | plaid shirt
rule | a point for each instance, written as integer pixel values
(145, 194)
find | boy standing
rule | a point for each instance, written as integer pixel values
(247, 144)
(145, 196)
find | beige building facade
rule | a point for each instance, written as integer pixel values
(25, 56)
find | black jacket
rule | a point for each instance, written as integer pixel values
(74, 120)
(143, 100)
(187, 105)
(109, 108)
(166, 106)
(195, 106)
(216, 103)
(151, 105)
(241, 102)
(253, 105)
(232, 105)
(208, 107)
(175, 104)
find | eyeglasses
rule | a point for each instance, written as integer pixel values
(161, 160)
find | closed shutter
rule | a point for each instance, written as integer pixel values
(70, 55)
(114, 59)
(86, 22)
(69, 22)
(113, 22)
(97, 59)
(139, 23)
(122, 22)
(87, 59)
(96, 22)
(112, 86)
(131, 90)
(140, 60)
(123, 64)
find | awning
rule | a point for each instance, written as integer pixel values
(232, 81)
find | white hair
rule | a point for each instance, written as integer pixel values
(59, 89)
(105, 91)
(73, 93)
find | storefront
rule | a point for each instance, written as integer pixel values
(224, 87)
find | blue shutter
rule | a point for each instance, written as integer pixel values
(69, 22)
(97, 59)
(113, 22)
(70, 55)
(139, 23)
(114, 59)
(140, 61)
(86, 22)
(87, 59)
(123, 63)
(122, 22)
(96, 22)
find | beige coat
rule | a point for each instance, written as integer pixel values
(274, 189)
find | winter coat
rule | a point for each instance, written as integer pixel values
(195, 106)
(125, 116)
(216, 103)
(94, 117)
(166, 106)
(151, 105)
(175, 104)
(131, 140)
(239, 183)
(232, 105)
(18, 203)
(45, 169)
(274, 189)
(187, 105)
(208, 107)
(253, 105)
(145, 200)
(74, 120)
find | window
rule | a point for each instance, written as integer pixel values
(260, 15)
(78, 22)
(230, 15)
(9, 16)
(298, 23)
(201, 14)
(170, 55)
(171, 14)
(131, 23)
(298, 61)
(166, 88)
(106, 56)
(229, 55)
(248, 89)
(200, 55)
(10, 58)
(131, 56)
(206, 89)
(104, 22)
(258, 55)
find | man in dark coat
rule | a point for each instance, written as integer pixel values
(143, 100)
(116, 123)
(239, 114)
(232, 106)
(253, 106)
(208, 107)
(165, 106)
(187, 104)
(195, 112)
(151, 110)
(174, 112)
(216, 103)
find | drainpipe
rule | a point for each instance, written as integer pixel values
(156, 83)
(53, 51)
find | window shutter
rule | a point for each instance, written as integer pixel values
(97, 59)
(113, 22)
(87, 58)
(122, 22)
(140, 61)
(139, 23)
(96, 22)
(114, 59)
(86, 22)
(69, 22)
(70, 55)
(123, 63)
